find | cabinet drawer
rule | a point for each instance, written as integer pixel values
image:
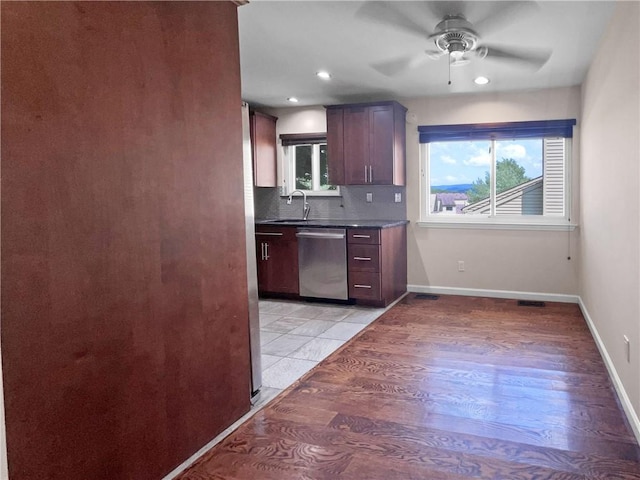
(364, 235)
(268, 232)
(364, 285)
(364, 258)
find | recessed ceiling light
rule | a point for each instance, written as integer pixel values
(323, 75)
(293, 99)
(481, 80)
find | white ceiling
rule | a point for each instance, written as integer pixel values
(284, 43)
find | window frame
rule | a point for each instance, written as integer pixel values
(289, 144)
(495, 132)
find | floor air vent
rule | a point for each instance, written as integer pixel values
(427, 296)
(531, 303)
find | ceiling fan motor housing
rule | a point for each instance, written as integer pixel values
(455, 36)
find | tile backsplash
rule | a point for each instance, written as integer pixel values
(351, 205)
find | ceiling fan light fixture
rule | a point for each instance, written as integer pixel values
(455, 36)
(481, 80)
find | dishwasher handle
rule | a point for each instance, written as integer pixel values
(329, 236)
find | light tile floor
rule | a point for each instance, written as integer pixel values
(295, 336)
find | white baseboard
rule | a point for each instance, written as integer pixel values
(510, 294)
(627, 406)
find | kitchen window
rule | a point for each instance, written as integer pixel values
(507, 175)
(306, 165)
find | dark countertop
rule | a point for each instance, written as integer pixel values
(330, 223)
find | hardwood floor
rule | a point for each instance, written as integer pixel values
(446, 389)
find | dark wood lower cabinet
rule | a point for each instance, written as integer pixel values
(377, 260)
(277, 255)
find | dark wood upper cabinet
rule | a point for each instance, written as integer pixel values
(356, 145)
(381, 145)
(335, 145)
(263, 149)
(366, 143)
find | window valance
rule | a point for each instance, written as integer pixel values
(491, 131)
(289, 139)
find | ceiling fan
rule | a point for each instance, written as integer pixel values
(454, 35)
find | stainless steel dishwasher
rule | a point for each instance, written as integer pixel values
(322, 262)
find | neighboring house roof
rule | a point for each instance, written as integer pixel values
(449, 199)
(513, 195)
(442, 201)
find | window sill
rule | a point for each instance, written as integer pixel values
(317, 193)
(493, 224)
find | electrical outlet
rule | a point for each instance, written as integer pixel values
(460, 265)
(627, 345)
(369, 197)
(398, 197)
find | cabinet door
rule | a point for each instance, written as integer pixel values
(263, 149)
(381, 145)
(335, 145)
(277, 256)
(356, 145)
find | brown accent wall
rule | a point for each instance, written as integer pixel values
(124, 304)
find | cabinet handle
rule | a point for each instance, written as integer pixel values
(365, 174)
(370, 174)
(262, 251)
(355, 235)
(266, 251)
(365, 259)
(270, 234)
(361, 286)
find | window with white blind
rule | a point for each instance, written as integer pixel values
(496, 174)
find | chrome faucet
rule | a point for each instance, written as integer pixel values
(306, 208)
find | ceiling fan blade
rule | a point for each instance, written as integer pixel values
(386, 13)
(434, 54)
(530, 57)
(505, 14)
(395, 66)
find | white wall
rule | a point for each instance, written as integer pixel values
(609, 276)
(511, 260)
(300, 120)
